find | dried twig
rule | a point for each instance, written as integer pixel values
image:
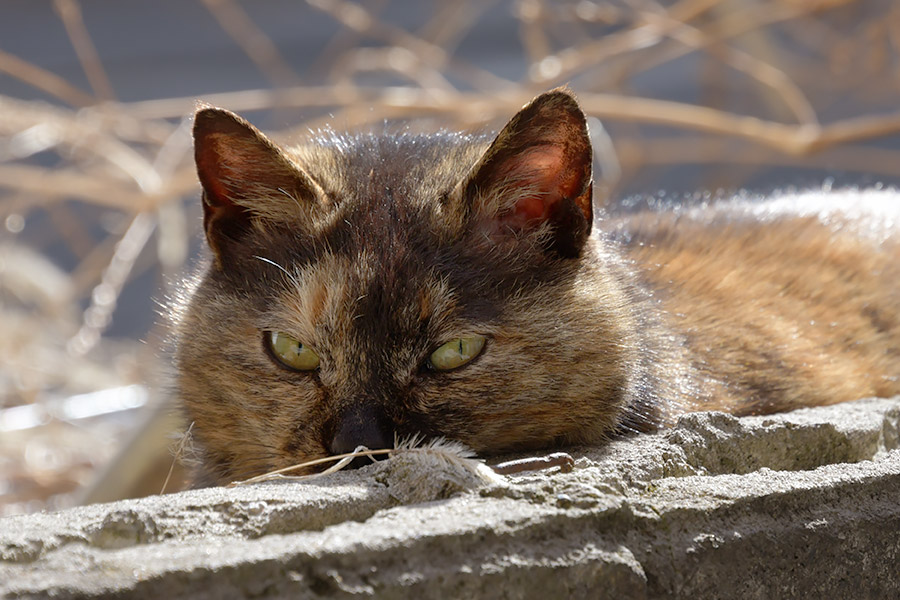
(447, 451)
(536, 463)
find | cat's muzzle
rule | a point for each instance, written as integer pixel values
(361, 425)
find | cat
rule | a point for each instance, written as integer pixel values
(368, 287)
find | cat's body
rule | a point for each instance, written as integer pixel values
(780, 303)
(379, 252)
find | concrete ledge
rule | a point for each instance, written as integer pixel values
(804, 504)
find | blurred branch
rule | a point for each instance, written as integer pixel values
(689, 150)
(43, 80)
(60, 184)
(403, 101)
(70, 13)
(105, 295)
(238, 25)
(357, 18)
(763, 72)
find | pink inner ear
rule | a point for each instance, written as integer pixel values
(541, 169)
(214, 156)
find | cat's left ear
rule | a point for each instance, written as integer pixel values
(536, 172)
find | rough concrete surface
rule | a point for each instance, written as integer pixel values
(804, 504)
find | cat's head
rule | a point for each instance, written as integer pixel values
(367, 287)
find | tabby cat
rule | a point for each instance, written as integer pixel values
(368, 287)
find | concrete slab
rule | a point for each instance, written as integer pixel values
(804, 504)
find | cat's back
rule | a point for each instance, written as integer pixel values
(782, 302)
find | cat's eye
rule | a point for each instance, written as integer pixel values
(456, 353)
(291, 352)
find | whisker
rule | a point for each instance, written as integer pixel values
(292, 197)
(291, 277)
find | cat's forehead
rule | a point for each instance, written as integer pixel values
(402, 167)
(384, 193)
(362, 283)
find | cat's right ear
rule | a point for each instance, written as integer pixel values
(247, 180)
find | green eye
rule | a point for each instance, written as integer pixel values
(291, 352)
(456, 353)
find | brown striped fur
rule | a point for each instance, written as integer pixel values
(376, 249)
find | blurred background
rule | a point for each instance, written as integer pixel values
(99, 204)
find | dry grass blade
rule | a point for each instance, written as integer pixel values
(438, 449)
(181, 448)
(340, 460)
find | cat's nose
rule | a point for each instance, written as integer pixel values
(362, 425)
